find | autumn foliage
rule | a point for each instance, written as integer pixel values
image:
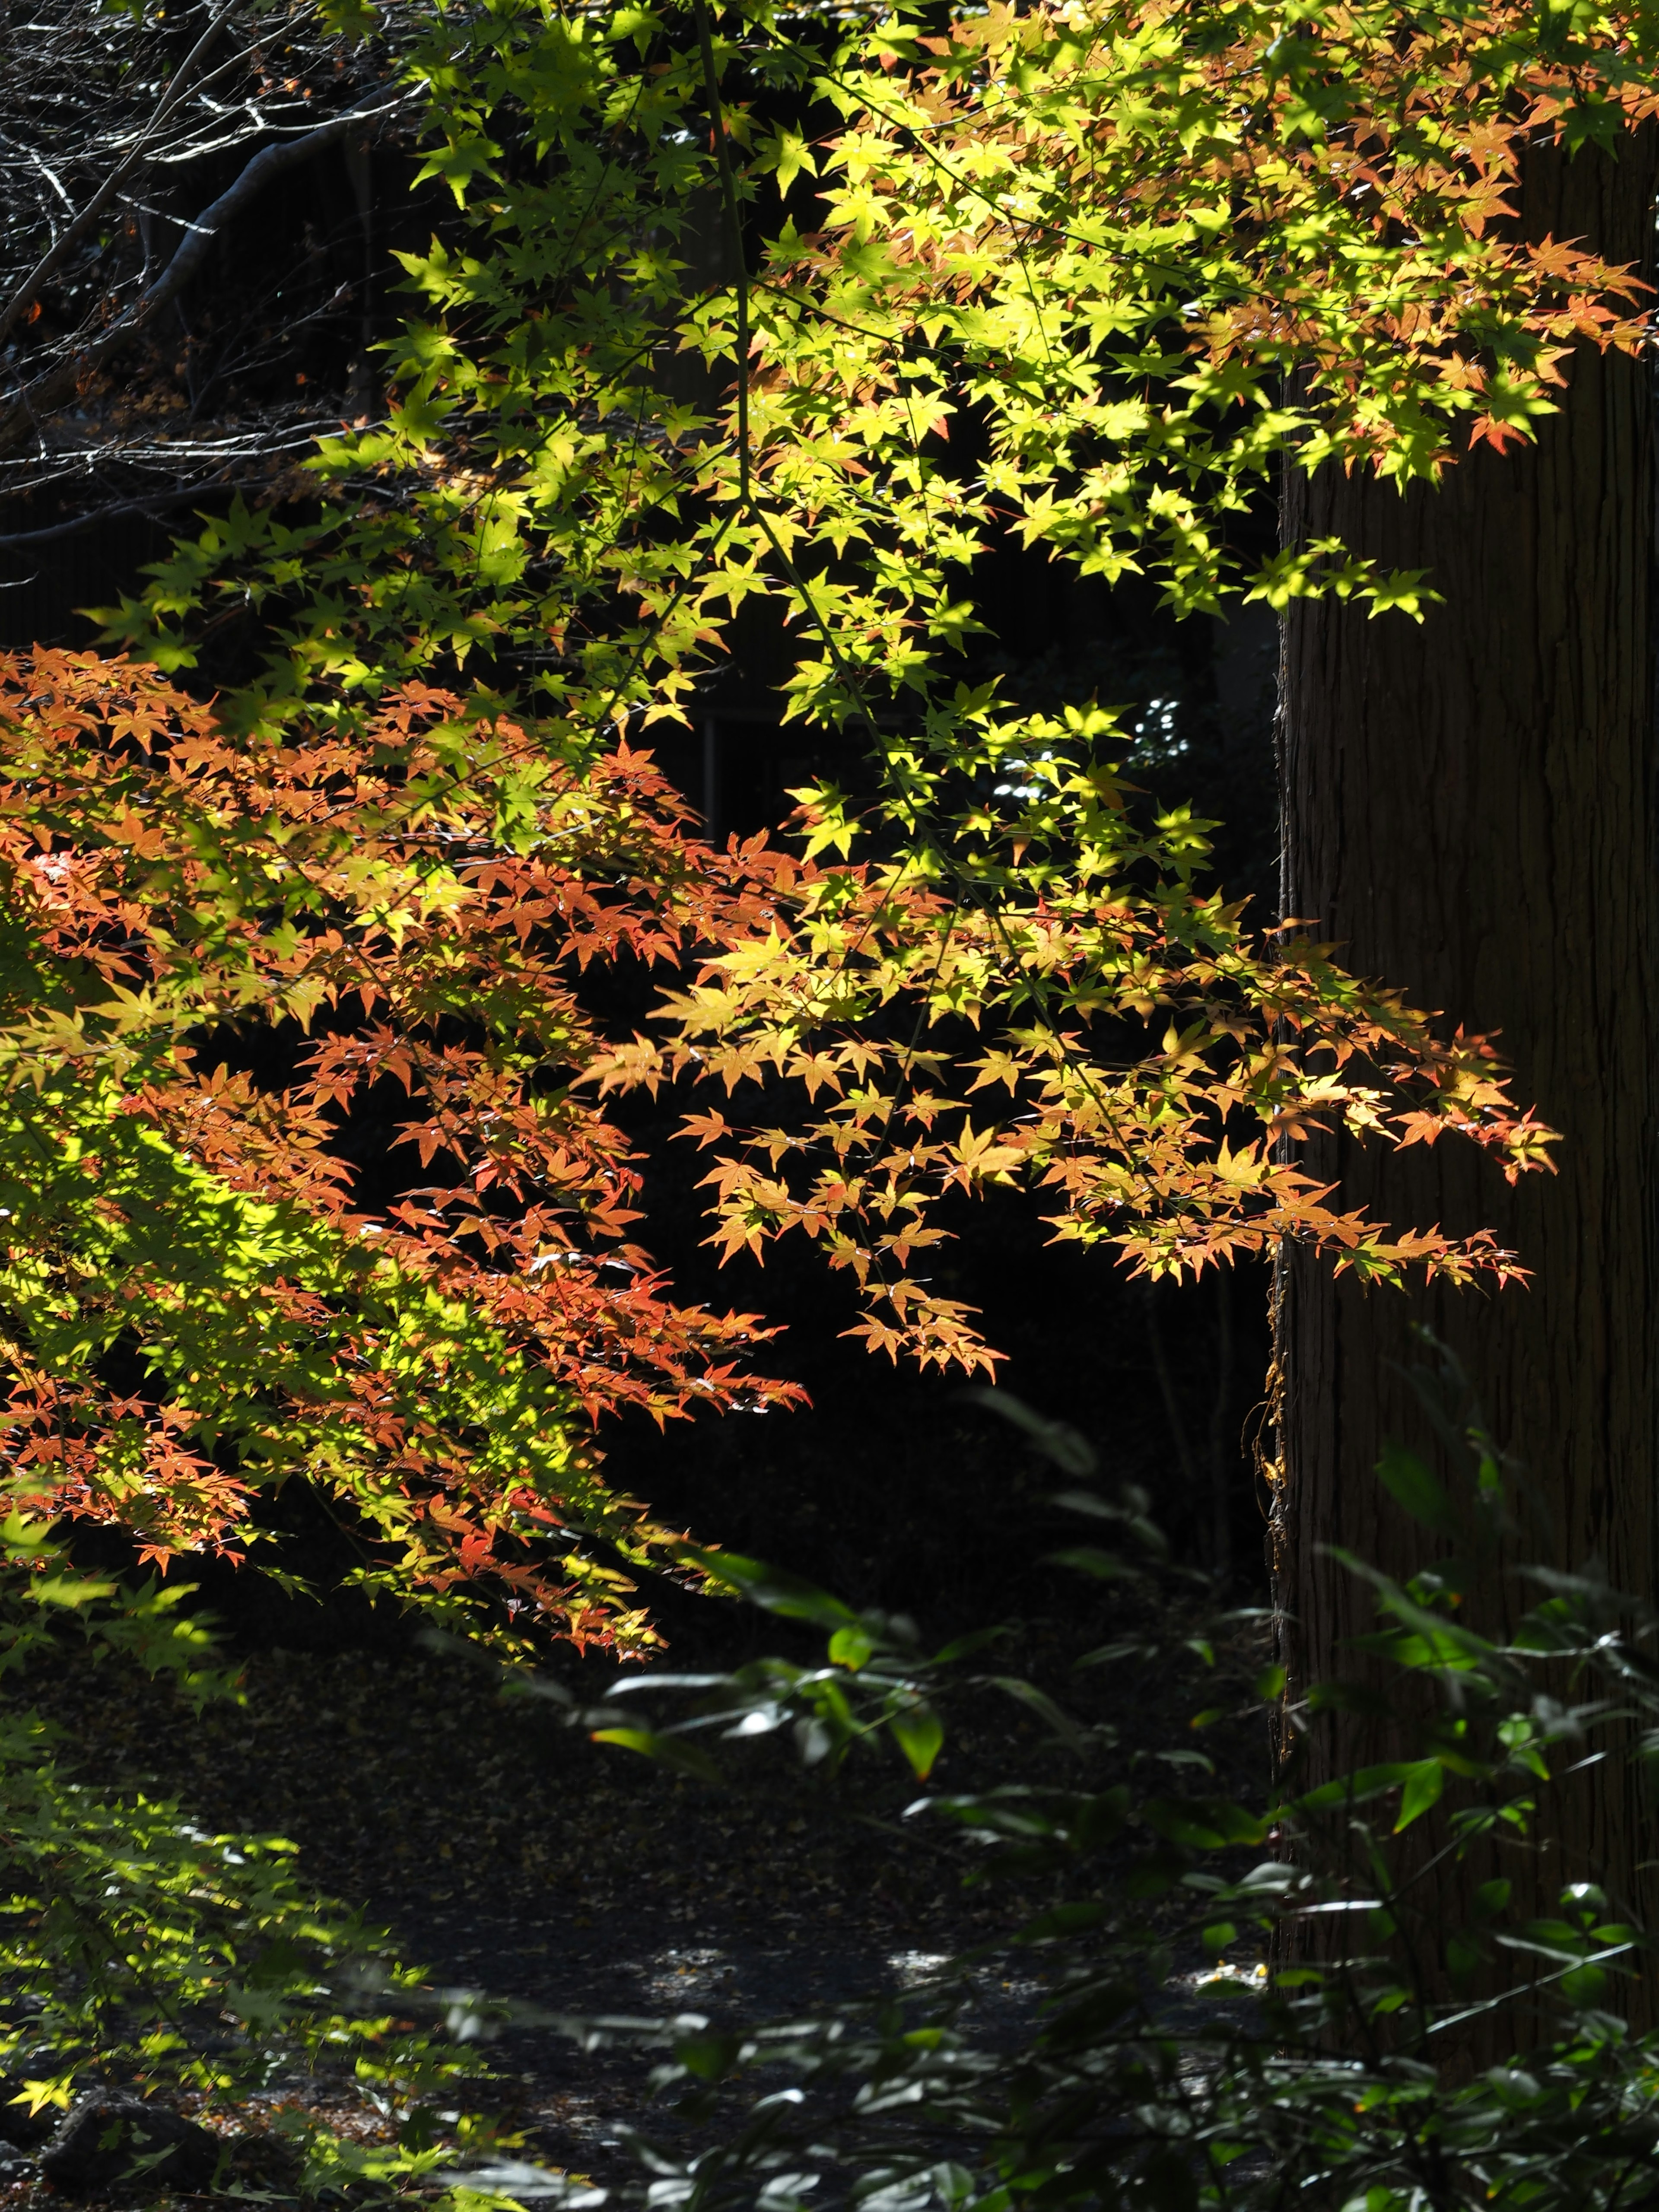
(232, 960)
(216, 955)
(310, 1161)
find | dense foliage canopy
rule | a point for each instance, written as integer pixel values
(749, 321)
(347, 915)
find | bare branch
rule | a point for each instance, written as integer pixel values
(153, 502)
(73, 231)
(58, 383)
(263, 170)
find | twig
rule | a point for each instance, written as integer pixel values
(52, 259)
(58, 383)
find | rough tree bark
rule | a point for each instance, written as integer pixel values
(1468, 810)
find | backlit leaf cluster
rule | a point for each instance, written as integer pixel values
(753, 330)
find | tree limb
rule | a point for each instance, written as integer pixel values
(261, 171)
(58, 383)
(76, 229)
(151, 502)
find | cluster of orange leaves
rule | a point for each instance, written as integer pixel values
(230, 960)
(296, 1180)
(1117, 1042)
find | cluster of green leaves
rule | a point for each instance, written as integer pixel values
(140, 1951)
(752, 317)
(1096, 238)
(1147, 2077)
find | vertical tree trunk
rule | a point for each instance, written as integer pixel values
(1468, 811)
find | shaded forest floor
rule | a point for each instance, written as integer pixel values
(508, 1854)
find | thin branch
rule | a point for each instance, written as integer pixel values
(263, 170)
(734, 218)
(56, 385)
(152, 502)
(76, 229)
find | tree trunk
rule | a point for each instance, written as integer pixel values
(1468, 813)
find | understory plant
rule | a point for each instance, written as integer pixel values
(143, 1955)
(1192, 2047)
(1246, 2004)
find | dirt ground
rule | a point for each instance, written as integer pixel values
(510, 1856)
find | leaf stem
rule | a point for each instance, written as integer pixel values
(734, 218)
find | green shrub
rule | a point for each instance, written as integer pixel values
(1341, 2080)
